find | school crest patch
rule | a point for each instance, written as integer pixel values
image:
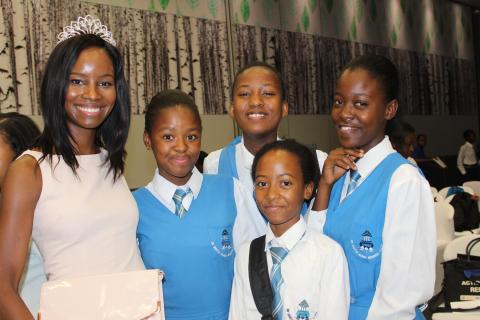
(365, 247)
(302, 313)
(224, 244)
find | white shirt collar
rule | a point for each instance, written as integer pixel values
(373, 157)
(289, 239)
(166, 189)
(246, 156)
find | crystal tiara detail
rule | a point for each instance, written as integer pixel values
(86, 25)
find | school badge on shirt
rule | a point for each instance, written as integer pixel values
(365, 247)
(224, 246)
(302, 312)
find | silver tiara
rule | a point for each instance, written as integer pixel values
(86, 25)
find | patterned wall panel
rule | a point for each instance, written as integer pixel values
(183, 44)
(431, 26)
(160, 51)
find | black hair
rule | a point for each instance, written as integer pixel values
(468, 132)
(306, 157)
(112, 133)
(259, 64)
(381, 69)
(167, 99)
(397, 131)
(20, 131)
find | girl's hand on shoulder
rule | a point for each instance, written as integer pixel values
(338, 162)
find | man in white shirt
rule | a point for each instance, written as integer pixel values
(467, 161)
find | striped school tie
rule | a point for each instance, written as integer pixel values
(278, 254)
(354, 177)
(178, 198)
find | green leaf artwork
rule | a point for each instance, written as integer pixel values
(130, 2)
(373, 10)
(312, 4)
(245, 10)
(305, 19)
(329, 4)
(164, 3)
(298, 29)
(151, 5)
(236, 19)
(213, 8)
(192, 4)
(393, 36)
(353, 29)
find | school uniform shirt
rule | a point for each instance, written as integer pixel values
(244, 161)
(248, 224)
(466, 156)
(409, 236)
(314, 273)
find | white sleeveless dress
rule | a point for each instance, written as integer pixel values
(84, 224)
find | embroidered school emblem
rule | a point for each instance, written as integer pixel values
(303, 312)
(224, 247)
(366, 247)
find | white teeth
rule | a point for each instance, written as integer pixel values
(256, 115)
(346, 128)
(88, 109)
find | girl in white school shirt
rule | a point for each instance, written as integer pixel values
(380, 209)
(314, 275)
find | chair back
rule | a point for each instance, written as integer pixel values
(444, 221)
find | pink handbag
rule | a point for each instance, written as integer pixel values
(135, 295)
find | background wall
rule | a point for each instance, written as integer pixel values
(184, 44)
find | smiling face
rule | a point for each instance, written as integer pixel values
(359, 111)
(280, 189)
(175, 140)
(91, 92)
(258, 105)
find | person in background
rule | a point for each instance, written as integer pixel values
(418, 152)
(467, 161)
(17, 133)
(402, 137)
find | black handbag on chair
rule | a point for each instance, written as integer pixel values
(461, 283)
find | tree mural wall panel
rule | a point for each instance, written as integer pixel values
(162, 48)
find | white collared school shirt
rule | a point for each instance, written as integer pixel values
(314, 273)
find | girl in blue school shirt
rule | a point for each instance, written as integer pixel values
(380, 208)
(190, 224)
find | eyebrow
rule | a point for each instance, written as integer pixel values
(263, 84)
(83, 74)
